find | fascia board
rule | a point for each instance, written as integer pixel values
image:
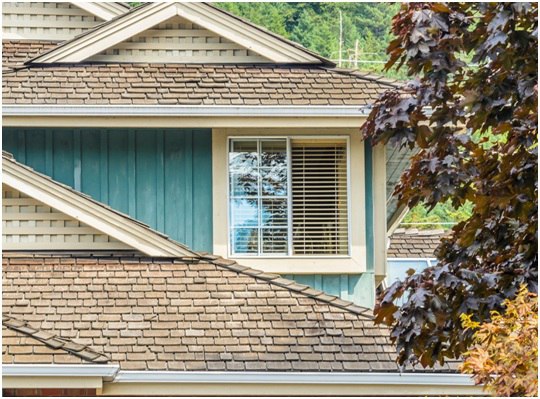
(186, 110)
(247, 36)
(57, 370)
(426, 379)
(109, 34)
(97, 217)
(99, 9)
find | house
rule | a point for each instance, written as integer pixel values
(153, 136)
(411, 249)
(104, 305)
(160, 113)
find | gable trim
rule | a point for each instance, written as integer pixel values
(103, 10)
(144, 17)
(89, 212)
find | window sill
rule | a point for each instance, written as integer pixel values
(303, 265)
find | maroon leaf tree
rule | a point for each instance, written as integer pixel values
(471, 109)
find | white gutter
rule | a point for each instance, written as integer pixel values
(186, 110)
(107, 372)
(427, 379)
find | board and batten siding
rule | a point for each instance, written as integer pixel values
(162, 177)
(28, 224)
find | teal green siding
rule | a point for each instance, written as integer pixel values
(368, 170)
(162, 177)
(358, 288)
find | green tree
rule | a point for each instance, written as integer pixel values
(494, 251)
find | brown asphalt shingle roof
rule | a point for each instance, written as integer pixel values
(211, 315)
(180, 84)
(413, 243)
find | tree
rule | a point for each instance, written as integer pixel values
(504, 356)
(476, 129)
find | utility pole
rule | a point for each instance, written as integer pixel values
(340, 37)
(356, 54)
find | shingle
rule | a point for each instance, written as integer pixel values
(413, 243)
(179, 83)
(273, 329)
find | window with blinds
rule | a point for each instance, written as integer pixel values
(319, 198)
(288, 197)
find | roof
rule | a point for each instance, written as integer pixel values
(207, 315)
(183, 84)
(414, 243)
(267, 44)
(88, 211)
(23, 343)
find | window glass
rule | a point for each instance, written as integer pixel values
(258, 196)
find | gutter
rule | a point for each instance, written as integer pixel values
(367, 378)
(186, 111)
(107, 372)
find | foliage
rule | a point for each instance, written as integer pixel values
(439, 217)
(492, 253)
(504, 356)
(316, 27)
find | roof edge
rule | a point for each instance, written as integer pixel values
(54, 341)
(257, 377)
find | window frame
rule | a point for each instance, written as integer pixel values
(289, 138)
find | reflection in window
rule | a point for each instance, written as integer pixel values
(258, 196)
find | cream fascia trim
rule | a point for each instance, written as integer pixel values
(290, 384)
(295, 378)
(91, 213)
(114, 32)
(57, 376)
(101, 9)
(58, 370)
(292, 111)
(352, 264)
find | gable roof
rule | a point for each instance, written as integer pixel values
(23, 343)
(206, 315)
(88, 211)
(414, 243)
(269, 45)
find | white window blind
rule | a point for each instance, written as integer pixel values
(319, 198)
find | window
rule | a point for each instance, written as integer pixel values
(288, 197)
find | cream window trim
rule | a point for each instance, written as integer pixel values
(355, 262)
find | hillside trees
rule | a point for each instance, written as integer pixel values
(476, 128)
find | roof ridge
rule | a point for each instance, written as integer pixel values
(394, 83)
(53, 341)
(291, 285)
